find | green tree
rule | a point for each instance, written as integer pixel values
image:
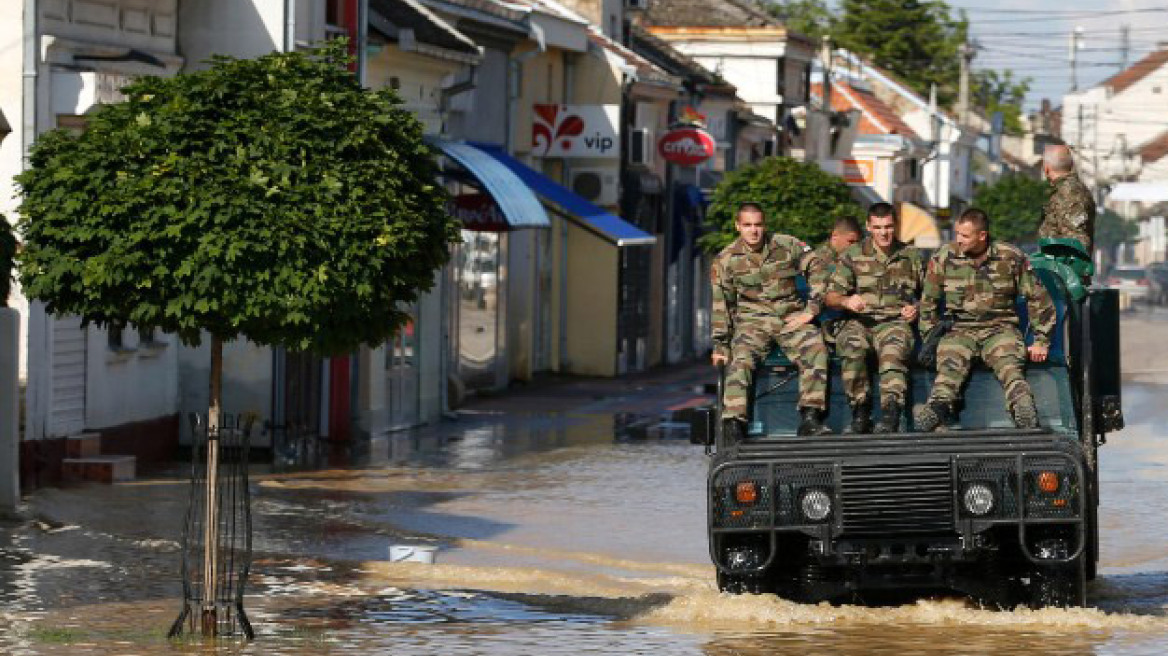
(799, 199)
(1111, 230)
(813, 18)
(7, 257)
(1014, 204)
(999, 92)
(917, 40)
(272, 199)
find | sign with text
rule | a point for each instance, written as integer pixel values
(859, 171)
(687, 146)
(576, 131)
(477, 212)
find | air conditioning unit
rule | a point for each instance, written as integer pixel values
(642, 148)
(637, 5)
(600, 185)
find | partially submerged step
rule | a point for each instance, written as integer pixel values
(100, 469)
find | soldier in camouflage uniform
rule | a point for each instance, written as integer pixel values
(755, 303)
(1070, 210)
(877, 283)
(979, 280)
(845, 232)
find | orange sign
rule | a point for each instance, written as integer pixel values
(859, 171)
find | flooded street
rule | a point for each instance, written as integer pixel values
(553, 537)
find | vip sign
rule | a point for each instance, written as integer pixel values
(576, 131)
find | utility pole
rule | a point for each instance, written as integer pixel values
(1076, 38)
(1124, 45)
(967, 51)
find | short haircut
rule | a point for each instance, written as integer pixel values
(749, 206)
(881, 210)
(975, 217)
(846, 224)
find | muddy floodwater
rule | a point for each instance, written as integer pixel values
(554, 535)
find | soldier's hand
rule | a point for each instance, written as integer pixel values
(909, 313)
(719, 359)
(855, 303)
(800, 319)
(1038, 353)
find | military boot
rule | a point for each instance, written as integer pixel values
(733, 431)
(889, 417)
(1025, 414)
(812, 422)
(861, 418)
(931, 416)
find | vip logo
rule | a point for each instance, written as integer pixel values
(575, 131)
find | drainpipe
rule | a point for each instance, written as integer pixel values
(38, 319)
(516, 62)
(289, 25)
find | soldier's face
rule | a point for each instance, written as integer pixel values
(882, 229)
(969, 240)
(751, 227)
(840, 240)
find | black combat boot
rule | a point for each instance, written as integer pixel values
(931, 416)
(889, 417)
(733, 431)
(812, 422)
(861, 418)
(1025, 414)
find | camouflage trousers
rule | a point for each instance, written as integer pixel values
(751, 343)
(1000, 347)
(893, 341)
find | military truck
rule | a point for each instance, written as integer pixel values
(1003, 515)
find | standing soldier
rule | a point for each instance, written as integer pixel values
(1070, 210)
(877, 282)
(979, 280)
(756, 302)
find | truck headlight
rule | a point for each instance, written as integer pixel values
(978, 498)
(816, 505)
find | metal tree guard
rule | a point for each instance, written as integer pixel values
(216, 544)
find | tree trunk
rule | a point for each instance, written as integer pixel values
(211, 515)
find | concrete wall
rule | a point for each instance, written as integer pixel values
(240, 28)
(135, 383)
(592, 270)
(12, 146)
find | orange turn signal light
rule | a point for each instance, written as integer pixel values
(746, 492)
(1048, 482)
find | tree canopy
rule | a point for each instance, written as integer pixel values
(1000, 92)
(7, 256)
(269, 198)
(1111, 230)
(798, 198)
(1014, 204)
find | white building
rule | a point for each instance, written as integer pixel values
(1109, 124)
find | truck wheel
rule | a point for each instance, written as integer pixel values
(740, 584)
(1059, 586)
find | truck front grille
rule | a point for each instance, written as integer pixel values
(912, 498)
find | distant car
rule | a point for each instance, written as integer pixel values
(1158, 282)
(1130, 279)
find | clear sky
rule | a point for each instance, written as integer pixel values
(1033, 39)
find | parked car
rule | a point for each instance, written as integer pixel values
(1158, 282)
(1130, 279)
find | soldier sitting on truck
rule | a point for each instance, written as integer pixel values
(877, 282)
(979, 279)
(756, 302)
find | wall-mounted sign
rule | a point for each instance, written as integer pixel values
(576, 131)
(686, 146)
(477, 212)
(691, 116)
(859, 171)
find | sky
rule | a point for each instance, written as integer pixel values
(1033, 39)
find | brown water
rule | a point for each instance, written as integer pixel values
(554, 539)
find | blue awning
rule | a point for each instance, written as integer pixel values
(604, 224)
(519, 205)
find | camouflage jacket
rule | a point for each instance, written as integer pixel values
(750, 285)
(819, 267)
(886, 283)
(983, 295)
(1069, 212)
